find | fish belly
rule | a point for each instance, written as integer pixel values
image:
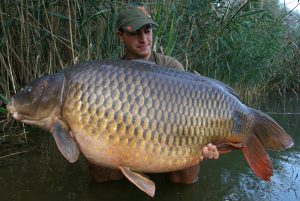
(147, 120)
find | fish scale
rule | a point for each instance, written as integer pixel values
(139, 117)
(142, 111)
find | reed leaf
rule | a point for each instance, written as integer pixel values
(246, 45)
(3, 99)
(3, 110)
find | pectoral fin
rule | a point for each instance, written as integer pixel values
(65, 143)
(140, 181)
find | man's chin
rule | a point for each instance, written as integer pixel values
(144, 54)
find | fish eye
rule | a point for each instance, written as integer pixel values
(27, 89)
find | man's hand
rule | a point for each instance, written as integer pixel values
(209, 151)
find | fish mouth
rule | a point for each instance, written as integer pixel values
(24, 117)
(12, 110)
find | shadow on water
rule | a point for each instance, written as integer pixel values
(43, 174)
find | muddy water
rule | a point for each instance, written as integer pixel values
(43, 174)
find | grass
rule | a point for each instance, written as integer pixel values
(3, 101)
(252, 46)
(246, 45)
(236, 43)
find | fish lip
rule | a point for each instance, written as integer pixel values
(28, 118)
(10, 108)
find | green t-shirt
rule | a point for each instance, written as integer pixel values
(164, 60)
(167, 61)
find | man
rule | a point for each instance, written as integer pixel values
(135, 32)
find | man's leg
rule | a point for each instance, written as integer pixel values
(102, 174)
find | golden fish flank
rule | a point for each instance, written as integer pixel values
(140, 117)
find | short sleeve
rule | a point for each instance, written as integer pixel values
(174, 63)
(166, 61)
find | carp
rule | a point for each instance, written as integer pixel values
(138, 117)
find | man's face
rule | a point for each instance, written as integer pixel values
(138, 44)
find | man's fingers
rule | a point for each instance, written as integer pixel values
(216, 153)
(201, 159)
(210, 151)
(205, 152)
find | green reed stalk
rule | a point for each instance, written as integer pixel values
(242, 44)
(3, 101)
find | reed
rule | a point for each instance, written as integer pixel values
(251, 45)
(248, 45)
(3, 102)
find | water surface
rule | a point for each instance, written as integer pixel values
(43, 174)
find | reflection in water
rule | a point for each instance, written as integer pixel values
(43, 174)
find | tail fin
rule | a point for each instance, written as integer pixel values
(271, 135)
(264, 133)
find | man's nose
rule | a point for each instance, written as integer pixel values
(142, 37)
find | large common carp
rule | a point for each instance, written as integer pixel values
(141, 118)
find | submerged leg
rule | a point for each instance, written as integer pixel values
(185, 176)
(102, 174)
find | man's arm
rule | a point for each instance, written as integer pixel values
(174, 63)
(166, 61)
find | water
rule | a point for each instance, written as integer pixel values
(43, 174)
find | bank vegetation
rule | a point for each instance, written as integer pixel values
(252, 45)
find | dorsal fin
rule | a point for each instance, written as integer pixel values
(223, 85)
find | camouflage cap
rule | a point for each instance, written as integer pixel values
(133, 17)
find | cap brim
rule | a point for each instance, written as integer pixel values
(137, 24)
